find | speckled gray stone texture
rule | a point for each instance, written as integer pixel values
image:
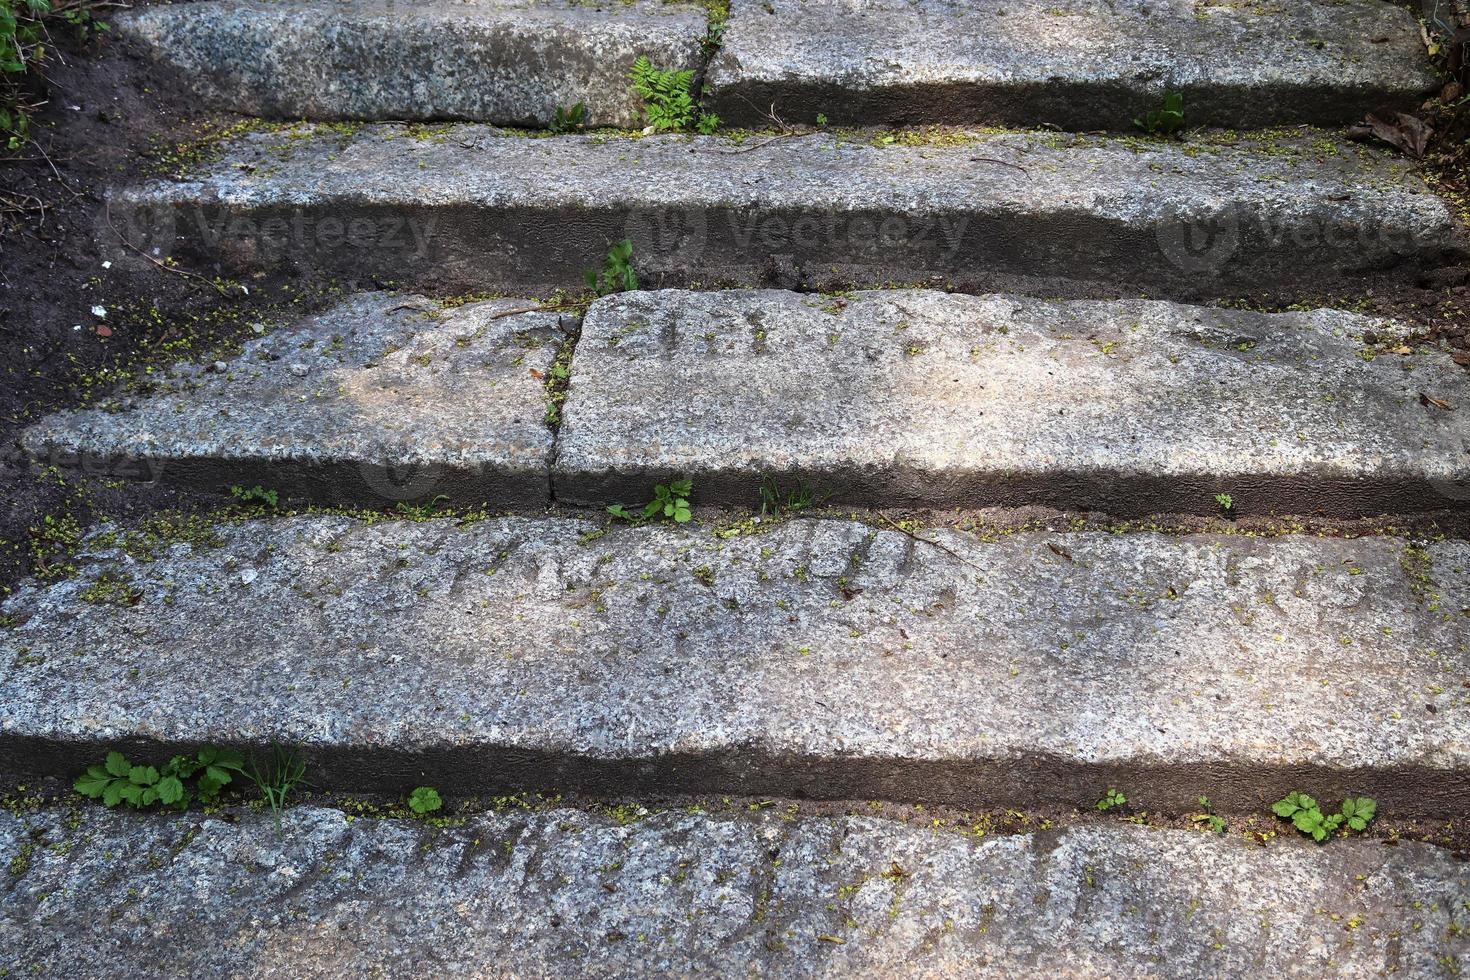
(818, 658)
(512, 62)
(1079, 64)
(470, 208)
(914, 397)
(382, 399)
(567, 893)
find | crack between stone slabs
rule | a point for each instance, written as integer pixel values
(717, 21)
(557, 392)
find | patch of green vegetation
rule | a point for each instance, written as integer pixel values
(423, 511)
(568, 119)
(668, 99)
(281, 774)
(1207, 817)
(1225, 502)
(776, 500)
(558, 381)
(25, 27)
(182, 778)
(425, 800)
(1111, 801)
(670, 502)
(617, 275)
(1167, 119)
(256, 496)
(1355, 814)
(111, 589)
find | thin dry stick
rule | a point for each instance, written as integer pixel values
(933, 544)
(162, 265)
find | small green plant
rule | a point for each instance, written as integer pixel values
(617, 274)
(821, 119)
(1208, 817)
(568, 120)
(1112, 801)
(277, 778)
(1166, 120)
(670, 502)
(420, 512)
(776, 501)
(1225, 502)
(118, 781)
(424, 800)
(1355, 814)
(256, 496)
(668, 99)
(23, 48)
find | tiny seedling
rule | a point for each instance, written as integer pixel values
(1208, 816)
(617, 274)
(668, 99)
(281, 774)
(424, 800)
(418, 513)
(1225, 502)
(821, 119)
(256, 496)
(568, 120)
(670, 502)
(1307, 816)
(117, 780)
(1112, 801)
(776, 501)
(1167, 119)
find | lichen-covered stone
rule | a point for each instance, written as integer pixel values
(565, 892)
(512, 62)
(1079, 64)
(820, 657)
(384, 398)
(910, 397)
(471, 208)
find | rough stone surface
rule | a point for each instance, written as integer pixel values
(384, 398)
(512, 62)
(1079, 64)
(821, 658)
(914, 397)
(471, 208)
(565, 892)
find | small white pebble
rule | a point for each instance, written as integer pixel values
(248, 576)
(107, 265)
(99, 311)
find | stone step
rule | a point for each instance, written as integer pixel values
(384, 398)
(566, 892)
(1077, 64)
(816, 658)
(469, 208)
(512, 62)
(908, 397)
(889, 398)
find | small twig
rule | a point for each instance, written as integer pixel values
(1003, 163)
(933, 544)
(107, 213)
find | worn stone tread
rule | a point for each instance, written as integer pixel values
(906, 397)
(821, 658)
(470, 208)
(565, 892)
(1079, 64)
(511, 62)
(383, 398)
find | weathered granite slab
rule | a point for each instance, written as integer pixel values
(1078, 64)
(384, 398)
(469, 208)
(565, 892)
(905, 397)
(512, 62)
(820, 658)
